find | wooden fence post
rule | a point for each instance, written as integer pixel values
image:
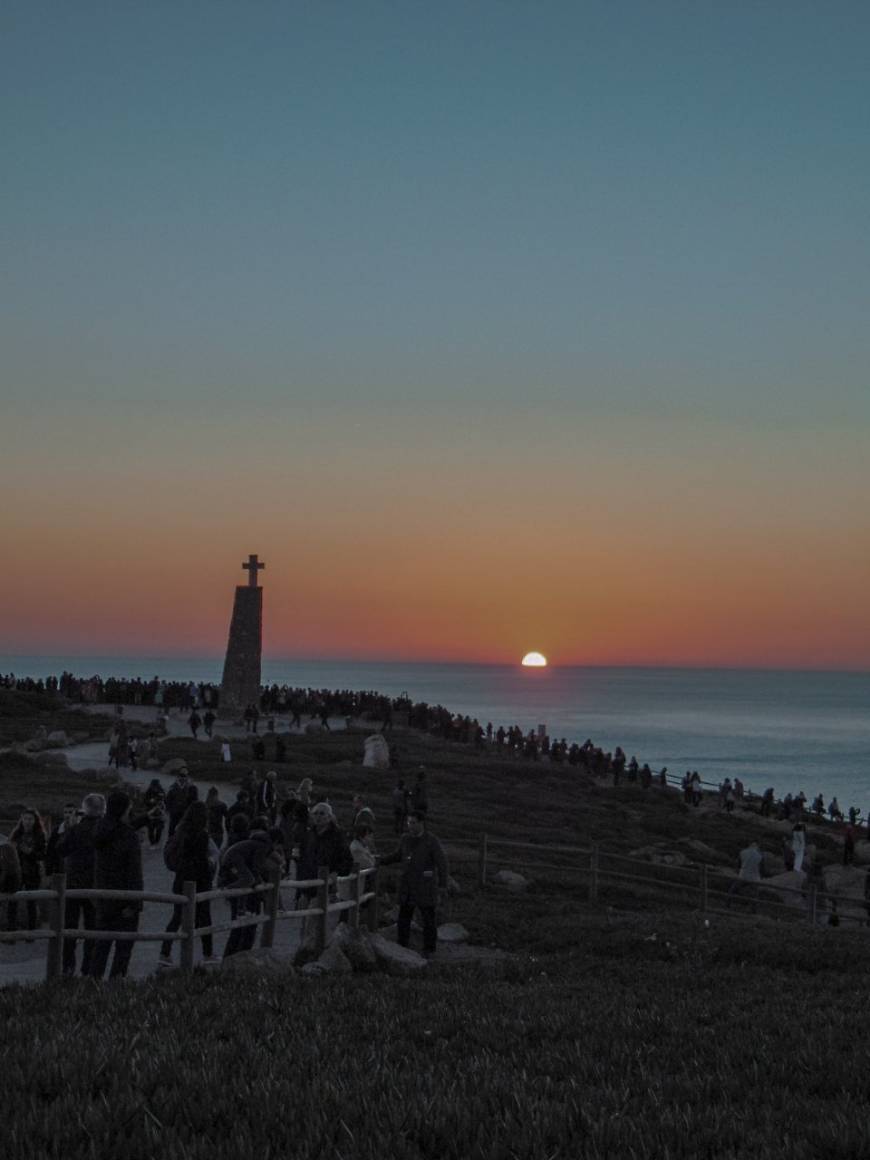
(188, 925)
(322, 928)
(372, 917)
(267, 938)
(481, 869)
(593, 873)
(358, 890)
(705, 886)
(54, 959)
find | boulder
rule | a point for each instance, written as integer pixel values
(355, 947)
(511, 880)
(862, 852)
(376, 752)
(393, 959)
(57, 738)
(660, 855)
(703, 851)
(172, 766)
(311, 729)
(333, 961)
(793, 882)
(452, 932)
(259, 961)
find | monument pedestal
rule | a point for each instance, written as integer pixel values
(240, 685)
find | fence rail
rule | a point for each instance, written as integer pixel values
(361, 885)
(702, 883)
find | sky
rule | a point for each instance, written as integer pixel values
(489, 327)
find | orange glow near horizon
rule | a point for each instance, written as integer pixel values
(378, 554)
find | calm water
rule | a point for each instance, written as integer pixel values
(792, 730)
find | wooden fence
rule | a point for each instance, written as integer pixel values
(701, 887)
(362, 900)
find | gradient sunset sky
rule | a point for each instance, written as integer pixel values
(489, 326)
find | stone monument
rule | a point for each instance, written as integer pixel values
(240, 685)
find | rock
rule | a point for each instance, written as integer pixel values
(58, 738)
(511, 880)
(259, 961)
(862, 852)
(376, 752)
(452, 932)
(315, 968)
(333, 961)
(793, 882)
(355, 946)
(393, 959)
(172, 766)
(661, 855)
(312, 729)
(703, 851)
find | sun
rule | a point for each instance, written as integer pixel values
(535, 660)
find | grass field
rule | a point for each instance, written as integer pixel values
(629, 1028)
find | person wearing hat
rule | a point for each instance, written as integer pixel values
(117, 866)
(76, 848)
(180, 795)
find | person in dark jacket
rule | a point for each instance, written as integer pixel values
(155, 807)
(424, 875)
(266, 798)
(242, 805)
(10, 877)
(325, 845)
(117, 866)
(181, 794)
(53, 859)
(217, 816)
(78, 852)
(30, 842)
(194, 865)
(247, 863)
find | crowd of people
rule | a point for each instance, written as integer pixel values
(98, 845)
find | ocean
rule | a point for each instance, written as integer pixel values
(789, 729)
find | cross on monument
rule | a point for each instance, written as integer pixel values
(252, 567)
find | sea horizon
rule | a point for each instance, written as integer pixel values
(793, 729)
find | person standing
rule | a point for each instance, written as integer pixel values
(266, 798)
(217, 816)
(194, 721)
(420, 793)
(400, 807)
(30, 844)
(181, 794)
(194, 865)
(424, 877)
(77, 849)
(155, 807)
(117, 866)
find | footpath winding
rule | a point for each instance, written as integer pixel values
(23, 962)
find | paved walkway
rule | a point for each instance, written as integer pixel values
(25, 962)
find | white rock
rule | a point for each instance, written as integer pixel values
(510, 879)
(355, 946)
(452, 932)
(376, 752)
(393, 959)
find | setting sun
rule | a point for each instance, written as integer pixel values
(534, 660)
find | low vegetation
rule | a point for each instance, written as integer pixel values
(630, 1028)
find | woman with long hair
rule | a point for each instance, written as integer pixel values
(30, 842)
(193, 864)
